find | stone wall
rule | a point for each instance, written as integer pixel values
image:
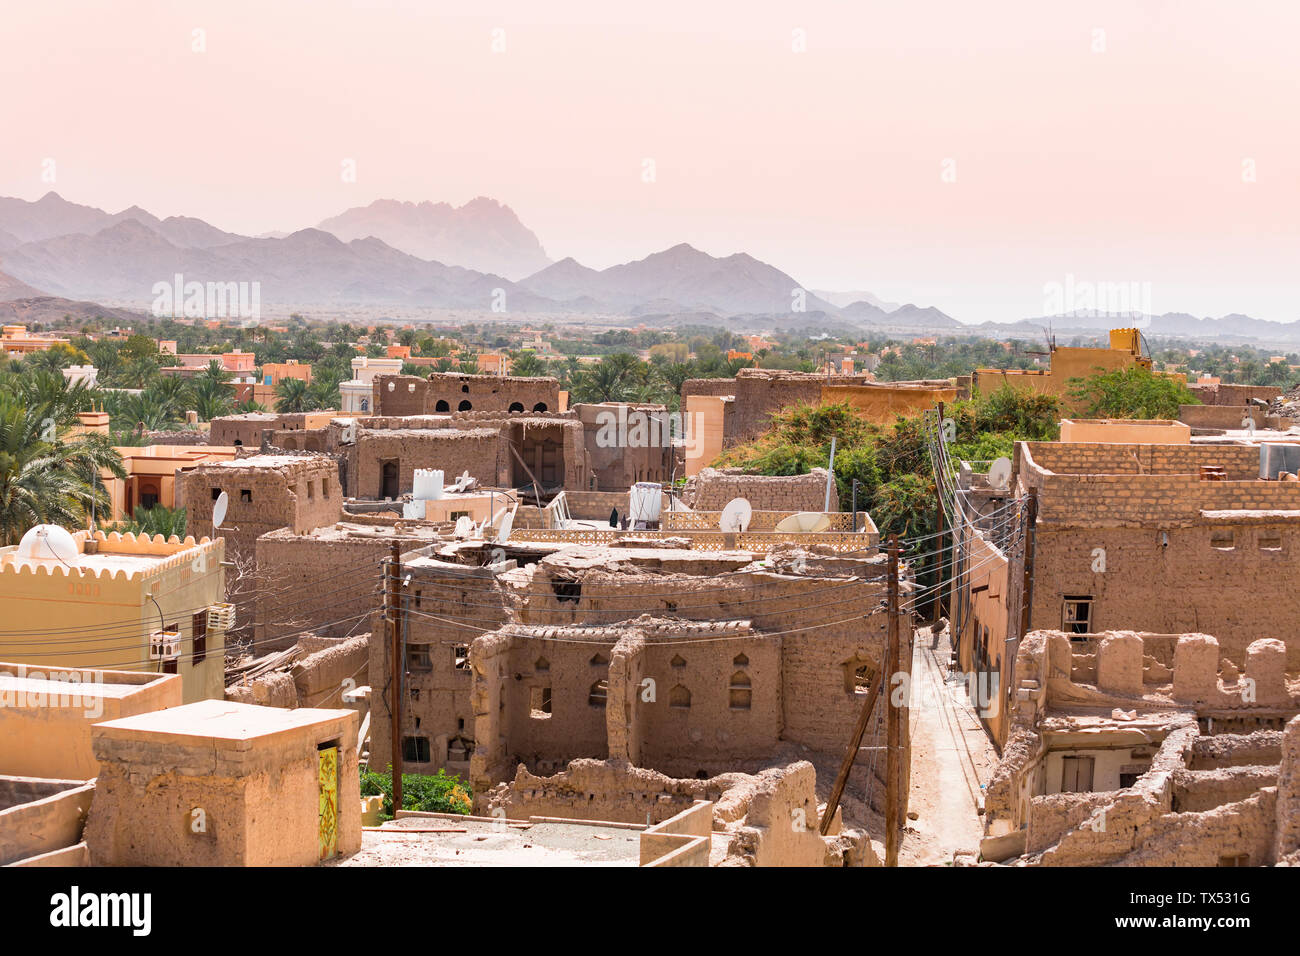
(711, 489)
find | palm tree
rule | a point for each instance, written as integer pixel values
(292, 396)
(47, 476)
(211, 399)
(527, 364)
(324, 392)
(610, 380)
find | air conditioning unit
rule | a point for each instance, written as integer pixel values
(164, 645)
(221, 617)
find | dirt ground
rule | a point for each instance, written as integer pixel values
(952, 760)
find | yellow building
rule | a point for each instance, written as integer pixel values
(151, 473)
(1124, 352)
(117, 602)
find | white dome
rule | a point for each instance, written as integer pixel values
(49, 542)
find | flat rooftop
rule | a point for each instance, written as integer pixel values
(21, 691)
(487, 843)
(226, 725)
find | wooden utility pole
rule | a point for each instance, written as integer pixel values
(846, 765)
(939, 553)
(1026, 595)
(393, 592)
(893, 725)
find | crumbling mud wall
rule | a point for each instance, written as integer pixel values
(1219, 793)
(782, 826)
(770, 818)
(319, 679)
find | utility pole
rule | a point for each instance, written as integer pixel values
(1026, 593)
(893, 728)
(939, 552)
(393, 617)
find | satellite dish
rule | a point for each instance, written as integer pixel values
(44, 542)
(464, 526)
(1000, 474)
(804, 521)
(735, 516)
(507, 524)
(219, 510)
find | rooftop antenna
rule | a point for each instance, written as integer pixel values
(735, 516)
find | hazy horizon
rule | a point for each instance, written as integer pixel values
(1126, 164)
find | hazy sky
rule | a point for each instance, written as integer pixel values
(950, 153)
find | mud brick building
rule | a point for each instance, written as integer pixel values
(1134, 749)
(540, 659)
(454, 392)
(627, 443)
(265, 492)
(1140, 537)
(247, 430)
(326, 579)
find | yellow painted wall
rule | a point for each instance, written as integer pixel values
(100, 616)
(47, 734)
(882, 403)
(1120, 431)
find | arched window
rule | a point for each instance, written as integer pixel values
(539, 407)
(516, 407)
(679, 697)
(542, 665)
(740, 660)
(678, 661)
(365, 404)
(442, 406)
(599, 660)
(464, 406)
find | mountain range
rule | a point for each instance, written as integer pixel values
(478, 256)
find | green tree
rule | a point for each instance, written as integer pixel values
(1130, 393)
(292, 395)
(48, 475)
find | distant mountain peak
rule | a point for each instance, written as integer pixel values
(484, 234)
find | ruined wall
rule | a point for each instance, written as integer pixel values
(782, 826)
(1223, 394)
(451, 391)
(759, 393)
(626, 443)
(711, 489)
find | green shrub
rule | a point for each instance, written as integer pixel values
(436, 793)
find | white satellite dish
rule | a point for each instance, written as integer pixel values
(219, 510)
(1000, 474)
(803, 521)
(464, 526)
(507, 525)
(735, 516)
